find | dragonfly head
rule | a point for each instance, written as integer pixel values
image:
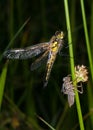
(59, 35)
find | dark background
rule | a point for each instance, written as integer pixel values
(24, 95)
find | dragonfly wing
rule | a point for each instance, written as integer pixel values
(26, 53)
(14, 54)
(39, 61)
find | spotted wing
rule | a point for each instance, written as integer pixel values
(39, 61)
(26, 53)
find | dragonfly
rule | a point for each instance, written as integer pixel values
(48, 50)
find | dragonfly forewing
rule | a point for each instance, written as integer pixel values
(26, 53)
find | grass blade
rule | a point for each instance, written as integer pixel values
(15, 36)
(2, 82)
(72, 64)
(89, 57)
(45, 122)
(87, 37)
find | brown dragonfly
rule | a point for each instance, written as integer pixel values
(49, 52)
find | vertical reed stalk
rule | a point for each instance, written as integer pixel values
(72, 63)
(2, 82)
(87, 37)
(89, 50)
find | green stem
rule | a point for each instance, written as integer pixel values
(87, 37)
(2, 82)
(89, 53)
(72, 63)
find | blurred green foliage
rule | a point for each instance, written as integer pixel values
(24, 96)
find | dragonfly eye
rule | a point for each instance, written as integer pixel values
(59, 35)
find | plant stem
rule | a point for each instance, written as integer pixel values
(87, 37)
(72, 63)
(89, 50)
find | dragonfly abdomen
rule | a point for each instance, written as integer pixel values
(49, 67)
